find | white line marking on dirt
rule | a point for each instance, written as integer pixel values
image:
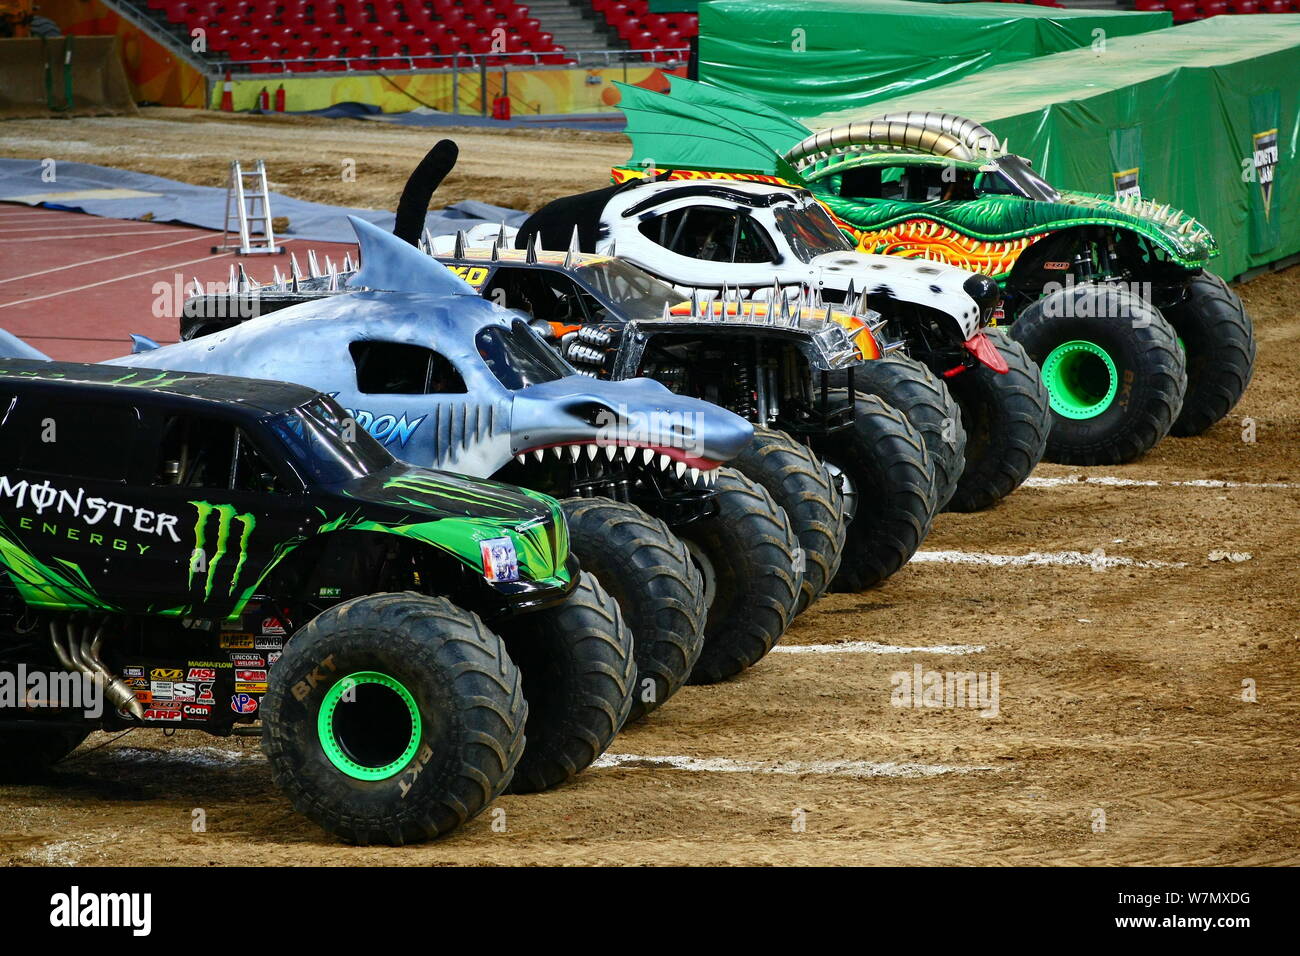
(101, 224)
(87, 262)
(871, 647)
(793, 768)
(1110, 481)
(1036, 559)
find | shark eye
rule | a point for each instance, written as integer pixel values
(595, 414)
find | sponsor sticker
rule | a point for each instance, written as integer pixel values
(166, 673)
(500, 563)
(257, 688)
(243, 704)
(236, 641)
(162, 714)
(272, 626)
(201, 673)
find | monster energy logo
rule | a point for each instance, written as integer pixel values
(226, 518)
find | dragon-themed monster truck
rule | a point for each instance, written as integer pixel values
(209, 553)
(771, 241)
(701, 560)
(1110, 295)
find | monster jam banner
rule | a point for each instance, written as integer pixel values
(808, 57)
(1126, 158)
(1262, 167)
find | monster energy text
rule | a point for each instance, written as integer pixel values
(42, 497)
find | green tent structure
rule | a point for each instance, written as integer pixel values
(808, 57)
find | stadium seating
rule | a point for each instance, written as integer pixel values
(657, 33)
(269, 36)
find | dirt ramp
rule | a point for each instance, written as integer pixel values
(66, 76)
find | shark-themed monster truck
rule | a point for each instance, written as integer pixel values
(183, 551)
(701, 560)
(1110, 296)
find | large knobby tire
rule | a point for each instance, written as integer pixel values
(578, 668)
(888, 486)
(798, 482)
(1007, 422)
(26, 755)
(746, 554)
(1218, 340)
(926, 402)
(1114, 373)
(393, 718)
(647, 569)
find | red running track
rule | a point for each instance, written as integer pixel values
(75, 286)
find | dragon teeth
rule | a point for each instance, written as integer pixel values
(680, 468)
(695, 475)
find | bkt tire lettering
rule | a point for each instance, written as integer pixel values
(226, 517)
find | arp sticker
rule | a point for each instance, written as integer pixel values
(162, 714)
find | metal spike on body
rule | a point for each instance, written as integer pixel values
(531, 256)
(573, 249)
(459, 251)
(347, 262)
(313, 267)
(667, 315)
(495, 254)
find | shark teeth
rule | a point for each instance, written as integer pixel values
(610, 452)
(538, 454)
(647, 456)
(629, 452)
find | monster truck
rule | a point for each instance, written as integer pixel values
(782, 367)
(1109, 295)
(614, 320)
(217, 554)
(763, 239)
(700, 558)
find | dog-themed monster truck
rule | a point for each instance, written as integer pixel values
(1110, 295)
(701, 560)
(975, 396)
(209, 553)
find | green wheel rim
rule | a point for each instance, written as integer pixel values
(356, 758)
(1081, 379)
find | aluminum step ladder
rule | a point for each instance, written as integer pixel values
(248, 213)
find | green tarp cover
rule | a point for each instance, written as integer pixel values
(1190, 108)
(812, 56)
(1204, 116)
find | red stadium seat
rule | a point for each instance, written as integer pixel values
(1213, 8)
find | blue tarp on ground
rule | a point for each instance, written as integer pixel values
(120, 194)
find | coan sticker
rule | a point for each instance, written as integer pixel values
(243, 704)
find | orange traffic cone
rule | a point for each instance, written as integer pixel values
(227, 95)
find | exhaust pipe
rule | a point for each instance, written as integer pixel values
(82, 654)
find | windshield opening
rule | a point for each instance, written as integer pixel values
(326, 445)
(518, 357)
(638, 294)
(810, 230)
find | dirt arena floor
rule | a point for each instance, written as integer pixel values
(1141, 622)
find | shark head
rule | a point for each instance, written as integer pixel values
(635, 421)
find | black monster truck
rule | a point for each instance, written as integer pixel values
(216, 552)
